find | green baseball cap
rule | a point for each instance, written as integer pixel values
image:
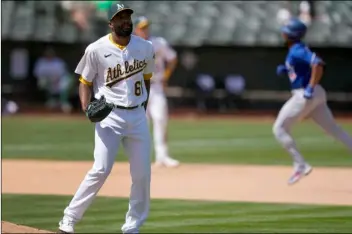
(141, 22)
(117, 8)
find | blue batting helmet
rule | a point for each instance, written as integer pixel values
(295, 29)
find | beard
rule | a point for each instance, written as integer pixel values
(119, 31)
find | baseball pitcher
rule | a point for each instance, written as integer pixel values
(165, 63)
(304, 70)
(118, 68)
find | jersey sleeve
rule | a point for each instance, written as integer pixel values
(150, 61)
(87, 67)
(307, 56)
(168, 51)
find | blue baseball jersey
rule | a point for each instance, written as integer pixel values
(298, 64)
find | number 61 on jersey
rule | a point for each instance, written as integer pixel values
(138, 88)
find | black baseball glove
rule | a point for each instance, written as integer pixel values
(98, 109)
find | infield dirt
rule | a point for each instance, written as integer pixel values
(246, 183)
(189, 181)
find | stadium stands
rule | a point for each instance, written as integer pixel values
(187, 22)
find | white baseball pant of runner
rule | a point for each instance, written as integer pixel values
(298, 108)
(131, 128)
(158, 113)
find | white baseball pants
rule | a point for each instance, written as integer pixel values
(298, 108)
(131, 128)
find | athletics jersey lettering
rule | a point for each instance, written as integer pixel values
(117, 73)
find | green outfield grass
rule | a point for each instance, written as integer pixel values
(205, 141)
(107, 215)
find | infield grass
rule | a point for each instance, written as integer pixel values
(106, 215)
(200, 141)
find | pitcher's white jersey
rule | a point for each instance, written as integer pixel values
(163, 53)
(118, 73)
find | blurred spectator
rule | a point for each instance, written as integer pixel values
(101, 20)
(305, 12)
(284, 14)
(102, 7)
(205, 88)
(189, 59)
(79, 11)
(54, 79)
(82, 11)
(234, 87)
(19, 63)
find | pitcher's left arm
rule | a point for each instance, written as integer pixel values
(148, 71)
(147, 78)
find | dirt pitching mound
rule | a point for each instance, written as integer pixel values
(7, 227)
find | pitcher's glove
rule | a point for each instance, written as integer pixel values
(98, 109)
